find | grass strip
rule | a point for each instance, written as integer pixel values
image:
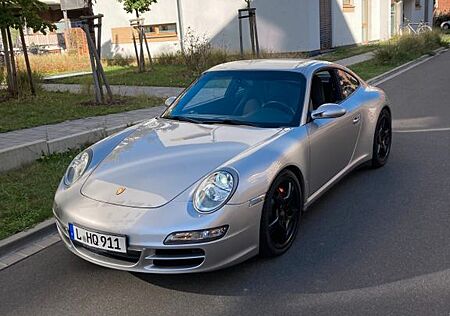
(55, 107)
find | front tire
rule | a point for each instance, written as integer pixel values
(281, 215)
(382, 139)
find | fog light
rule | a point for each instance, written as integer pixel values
(196, 236)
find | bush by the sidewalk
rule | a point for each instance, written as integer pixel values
(408, 47)
(170, 58)
(199, 54)
(119, 60)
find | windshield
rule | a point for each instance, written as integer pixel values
(256, 98)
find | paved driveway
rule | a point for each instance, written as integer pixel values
(378, 243)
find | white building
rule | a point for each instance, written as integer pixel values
(283, 25)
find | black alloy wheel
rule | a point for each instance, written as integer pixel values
(382, 139)
(281, 215)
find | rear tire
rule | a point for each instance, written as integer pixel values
(281, 215)
(424, 29)
(382, 139)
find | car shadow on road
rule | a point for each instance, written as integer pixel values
(366, 231)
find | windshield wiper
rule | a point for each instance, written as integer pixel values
(213, 121)
(231, 122)
(185, 119)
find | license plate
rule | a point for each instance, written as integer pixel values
(98, 240)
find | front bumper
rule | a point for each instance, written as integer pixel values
(146, 230)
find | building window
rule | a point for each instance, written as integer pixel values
(154, 33)
(418, 4)
(161, 31)
(348, 5)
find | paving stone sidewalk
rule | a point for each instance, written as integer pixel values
(161, 92)
(55, 131)
(355, 59)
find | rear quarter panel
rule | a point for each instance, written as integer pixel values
(373, 100)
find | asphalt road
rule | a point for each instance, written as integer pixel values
(378, 243)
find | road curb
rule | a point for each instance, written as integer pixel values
(381, 78)
(18, 156)
(25, 237)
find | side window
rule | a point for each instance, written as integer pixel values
(347, 83)
(324, 89)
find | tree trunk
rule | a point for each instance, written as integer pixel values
(141, 44)
(27, 61)
(9, 80)
(13, 62)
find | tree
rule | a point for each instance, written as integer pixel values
(16, 14)
(137, 7)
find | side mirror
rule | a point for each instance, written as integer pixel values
(328, 110)
(169, 101)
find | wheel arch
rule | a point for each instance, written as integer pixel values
(298, 173)
(386, 107)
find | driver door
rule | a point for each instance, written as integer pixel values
(331, 140)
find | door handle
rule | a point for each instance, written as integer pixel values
(356, 119)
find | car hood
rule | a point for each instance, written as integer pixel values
(163, 158)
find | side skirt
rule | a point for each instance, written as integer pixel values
(335, 179)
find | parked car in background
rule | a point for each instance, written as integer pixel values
(445, 25)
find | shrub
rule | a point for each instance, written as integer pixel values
(407, 47)
(199, 54)
(119, 60)
(23, 84)
(170, 58)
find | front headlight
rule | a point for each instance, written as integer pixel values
(214, 191)
(77, 167)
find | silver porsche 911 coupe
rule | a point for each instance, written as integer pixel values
(226, 171)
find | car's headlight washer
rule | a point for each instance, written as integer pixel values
(77, 167)
(215, 190)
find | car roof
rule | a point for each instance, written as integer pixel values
(300, 65)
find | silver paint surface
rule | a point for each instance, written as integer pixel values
(161, 162)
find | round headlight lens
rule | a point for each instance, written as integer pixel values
(214, 191)
(77, 167)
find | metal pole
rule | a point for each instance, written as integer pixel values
(180, 25)
(27, 61)
(91, 57)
